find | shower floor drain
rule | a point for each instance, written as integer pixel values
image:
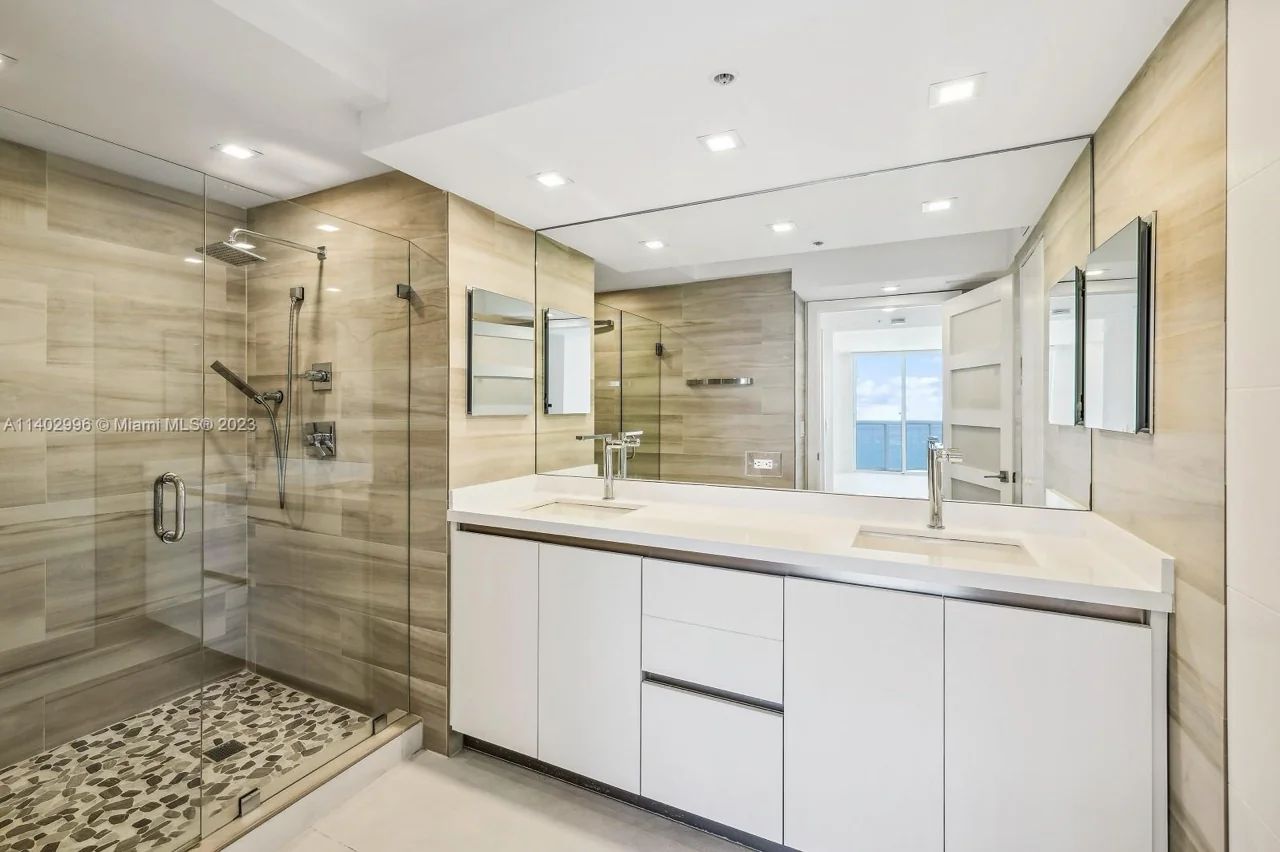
(222, 751)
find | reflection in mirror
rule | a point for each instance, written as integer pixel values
(566, 362)
(499, 354)
(1117, 319)
(1066, 367)
(867, 327)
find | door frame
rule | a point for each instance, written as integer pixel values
(820, 323)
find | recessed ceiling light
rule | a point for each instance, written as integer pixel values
(653, 244)
(6, 61)
(716, 143)
(956, 91)
(783, 227)
(724, 78)
(888, 310)
(938, 205)
(889, 288)
(551, 179)
(192, 260)
(333, 289)
(327, 228)
(239, 152)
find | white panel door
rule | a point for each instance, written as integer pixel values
(863, 719)
(589, 663)
(979, 373)
(493, 643)
(1048, 733)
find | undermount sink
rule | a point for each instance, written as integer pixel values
(942, 546)
(580, 510)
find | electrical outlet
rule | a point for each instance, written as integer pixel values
(759, 463)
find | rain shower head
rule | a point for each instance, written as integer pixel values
(235, 381)
(234, 250)
(230, 254)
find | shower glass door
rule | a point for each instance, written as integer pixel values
(306, 603)
(102, 316)
(175, 645)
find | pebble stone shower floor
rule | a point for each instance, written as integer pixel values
(136, 784)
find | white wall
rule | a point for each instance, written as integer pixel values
(1253, 412)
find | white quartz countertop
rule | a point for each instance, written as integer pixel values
(1066, 556)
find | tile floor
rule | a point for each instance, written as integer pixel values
(476, 803)
(135, 784)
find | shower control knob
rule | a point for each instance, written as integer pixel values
(321, 438)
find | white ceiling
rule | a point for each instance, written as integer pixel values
(477, 95)
(825, 87)
(175, 77)
(996, 193)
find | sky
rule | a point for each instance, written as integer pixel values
(879, 388)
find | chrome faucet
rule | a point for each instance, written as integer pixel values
(630, 442)
(937, 455)
(611, 445)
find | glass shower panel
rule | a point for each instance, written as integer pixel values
(641, 358)
(101, 407)
(308, 603)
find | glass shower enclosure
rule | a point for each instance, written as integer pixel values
(177, 642)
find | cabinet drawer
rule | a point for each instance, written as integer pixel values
(727, 599)
(713, 758)
(720, 659)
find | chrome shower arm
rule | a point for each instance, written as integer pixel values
(237, 233)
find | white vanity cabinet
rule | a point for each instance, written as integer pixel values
(588, 647)
(1049, 732)
(818, 714)
(493, 647)
(863, 718)
(712, 724)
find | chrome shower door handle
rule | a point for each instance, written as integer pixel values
(169, 536)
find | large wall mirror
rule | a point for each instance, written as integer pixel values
(817, 337)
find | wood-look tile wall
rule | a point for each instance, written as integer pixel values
(101, 318)
(729, 327)
(346, 616)
(349, 595)
(1162, 149)
(488, 252)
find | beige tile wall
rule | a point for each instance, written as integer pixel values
(453, 245)
(1253, 408)
(1162, 149)
(101, 318)
(350, 595)
(488, 252)
(729, 327)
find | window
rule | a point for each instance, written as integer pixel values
(897, 399)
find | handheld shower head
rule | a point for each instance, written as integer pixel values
(235, 381)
